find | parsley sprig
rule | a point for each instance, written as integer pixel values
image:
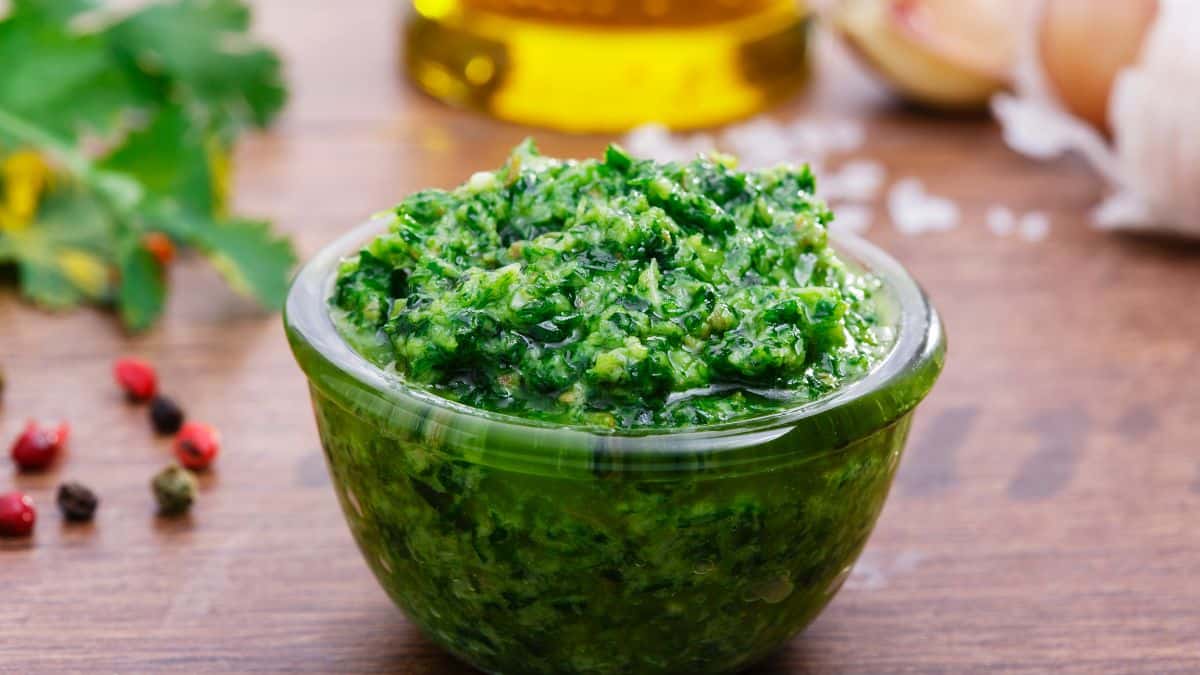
(116, 128)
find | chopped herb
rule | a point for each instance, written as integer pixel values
(618, 292)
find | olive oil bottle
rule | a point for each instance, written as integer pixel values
(608, 65)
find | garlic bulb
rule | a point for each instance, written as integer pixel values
(950, 54)
(1081, 75)
(1153, 160)
(1155, 110)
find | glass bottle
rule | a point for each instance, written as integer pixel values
(609, 65)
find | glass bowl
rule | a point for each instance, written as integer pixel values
(527, 547)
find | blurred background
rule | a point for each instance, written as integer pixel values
(1035, 165)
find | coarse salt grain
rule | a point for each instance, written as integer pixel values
(853, 218)
(758, 143)
(1034, 226)
(914, 211)
(820, 138)
(656, 142)
(762, 142)
(1001, 220)
(858, 180)
(847, 135)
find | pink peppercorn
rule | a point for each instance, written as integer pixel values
(38, 446)
(197, 445)
(17, 515)
(137, 377)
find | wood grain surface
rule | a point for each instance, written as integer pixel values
(1046, 517)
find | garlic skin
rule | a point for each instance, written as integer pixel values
(1153, 160)
(1155, 113)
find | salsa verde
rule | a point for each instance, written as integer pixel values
(612, 295)
(618, 293)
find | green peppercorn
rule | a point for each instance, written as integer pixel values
(175, 489)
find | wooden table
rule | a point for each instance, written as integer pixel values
(1046, 516)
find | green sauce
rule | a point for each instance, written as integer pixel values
(608, 296)
(698, 570)
(617, 293)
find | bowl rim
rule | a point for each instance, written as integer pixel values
(920, 340)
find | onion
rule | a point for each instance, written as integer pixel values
(1084, 44)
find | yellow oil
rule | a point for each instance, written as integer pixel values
(609, 65)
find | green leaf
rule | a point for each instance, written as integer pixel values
(8, 252)
(65, 255)
(70, 215)
(189, 71)
(168, 157)
(52, 10)
(202, 48)
(252, 259)
(64, 80)
(47, 287)
(143, 290)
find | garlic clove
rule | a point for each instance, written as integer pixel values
(1154, 126)
(977, 34)
(1082, 50)
(1152, 157)
(943, 53)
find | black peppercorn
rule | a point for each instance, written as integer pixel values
(166, 416)
(78, 503)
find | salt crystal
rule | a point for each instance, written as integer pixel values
(1034, 226)
(758, 143)
(853, 218)
(847, 135)
(1001, 220)
(819, 138)
(858, 180)
(901, 201)
(1035, 130)
(809, 137)
(913, 211)
(941, 215)
(648, 135)
(763, 142)
(657, 142)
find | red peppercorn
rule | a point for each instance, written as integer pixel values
(17, 515)
(197, 445)
(137, 378)
(37, 446)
